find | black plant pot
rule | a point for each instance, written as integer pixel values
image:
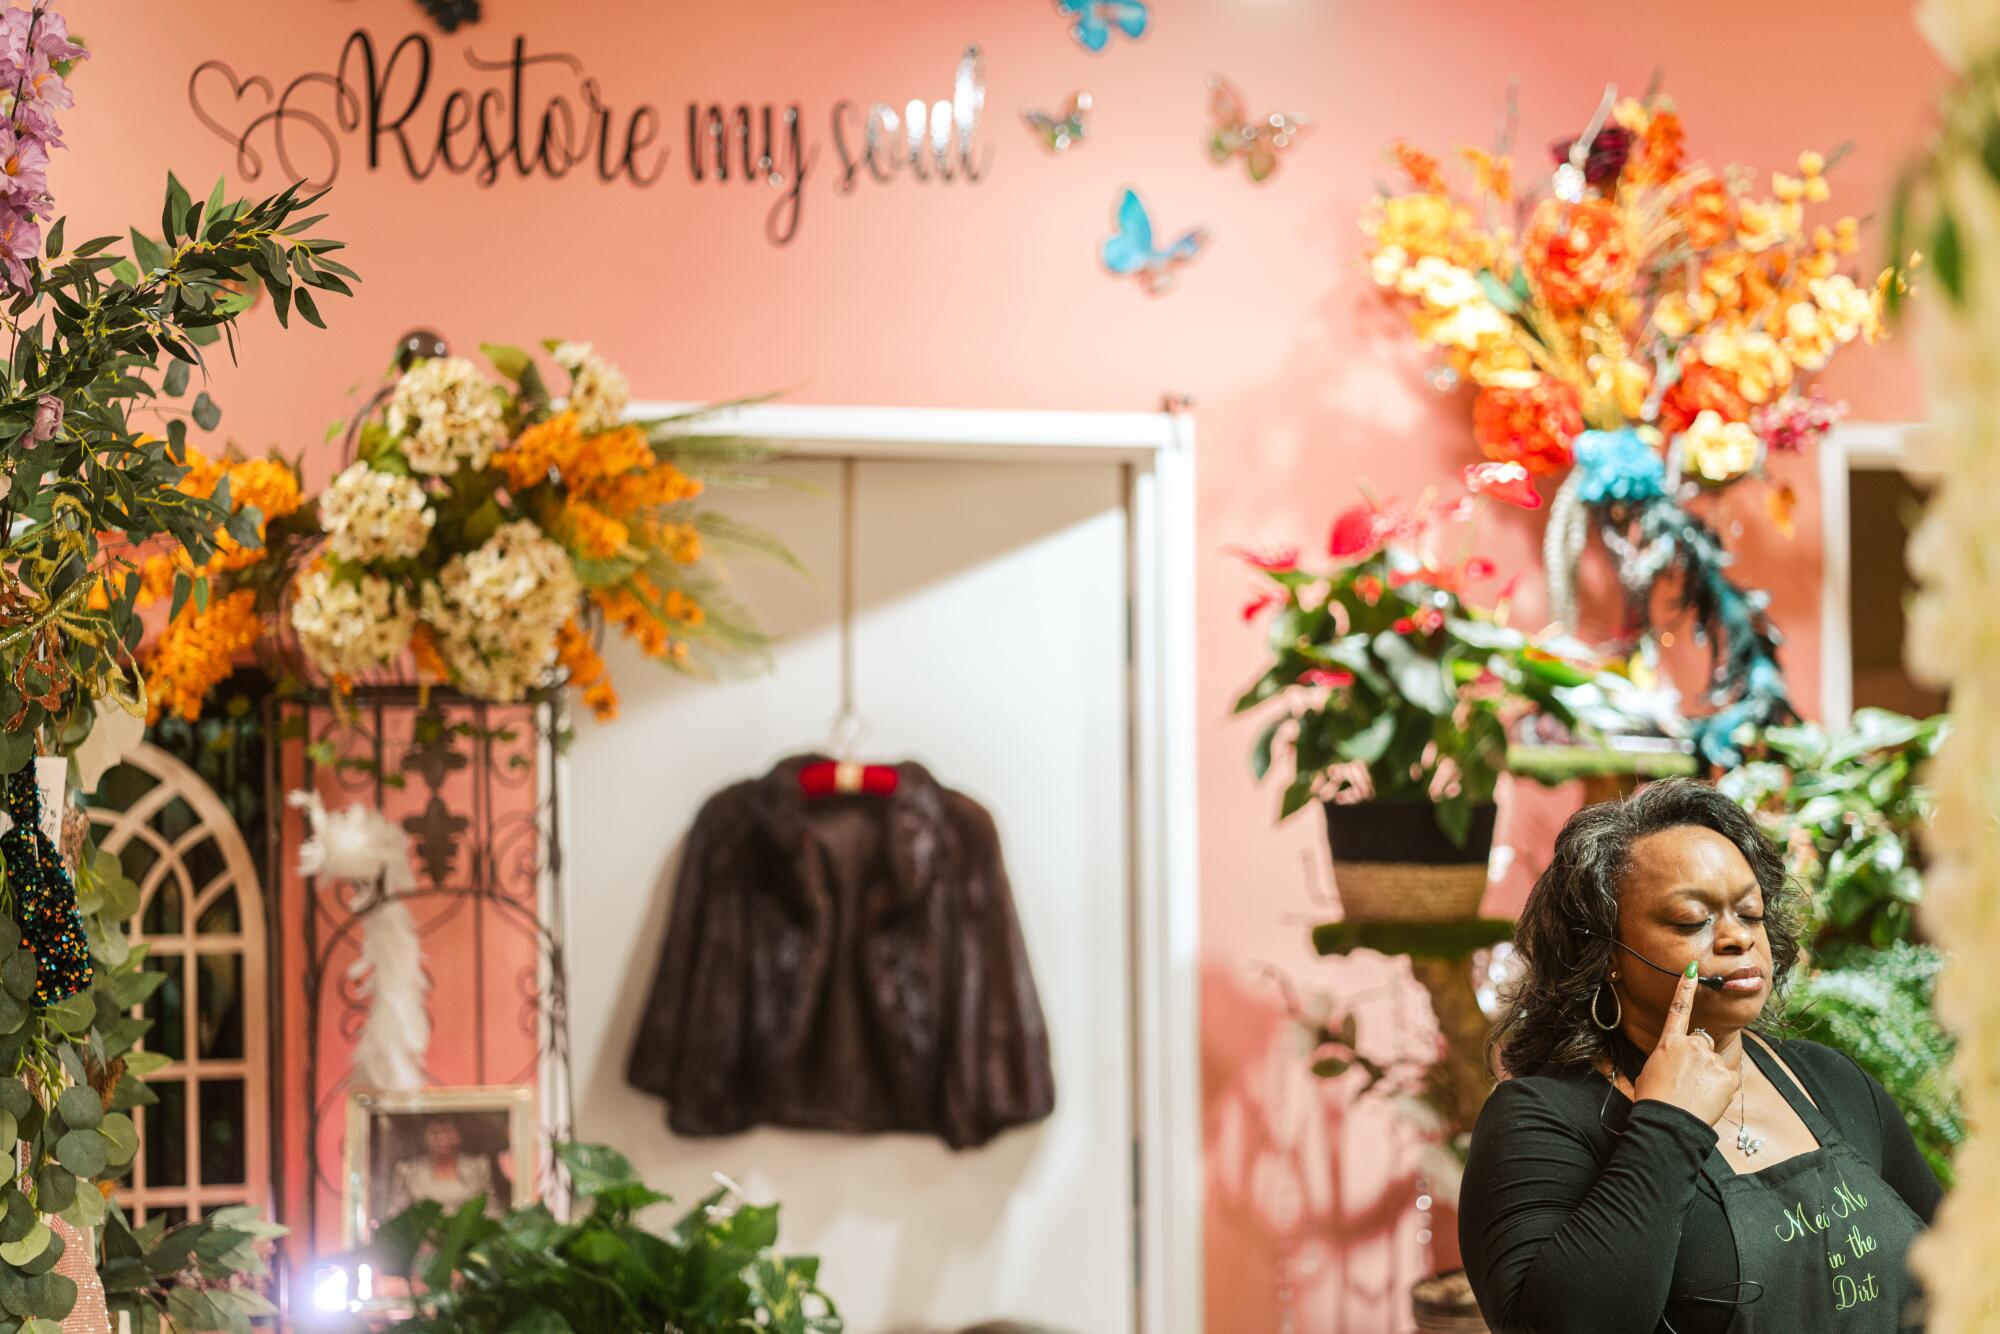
(1393, 862)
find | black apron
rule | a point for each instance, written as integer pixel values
(1827, 1238)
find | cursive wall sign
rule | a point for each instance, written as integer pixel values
(541, 114)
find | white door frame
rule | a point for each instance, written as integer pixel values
(1155, 451)
(1850, 447)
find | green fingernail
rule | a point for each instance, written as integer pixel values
(1693, 967)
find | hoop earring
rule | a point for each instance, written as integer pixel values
(1618, 1011)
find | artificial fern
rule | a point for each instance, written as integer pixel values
(1876, 1005)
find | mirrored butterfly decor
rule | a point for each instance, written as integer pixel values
(1233, 133)
(1059, 132)
(1130, 252)
(1093, 21)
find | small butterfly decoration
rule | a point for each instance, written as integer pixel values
(1095, 19)
(1059, 132)
(1130, 251)
(1234, 134)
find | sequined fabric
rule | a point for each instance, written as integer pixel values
(44, 895)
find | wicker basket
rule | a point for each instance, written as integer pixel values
(1393, 863)
(1408, 891)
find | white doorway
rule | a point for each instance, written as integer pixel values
(1023, 587)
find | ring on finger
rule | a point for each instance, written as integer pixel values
(1702, 1033)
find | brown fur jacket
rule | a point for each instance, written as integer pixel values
(846, 963)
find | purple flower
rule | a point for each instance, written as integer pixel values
(24, 168)
(34, 120)
(20, 244)
(1606, 159)
(51, 37)
(48, 419)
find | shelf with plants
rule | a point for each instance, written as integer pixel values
(1849, 807)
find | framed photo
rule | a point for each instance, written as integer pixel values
(443, 1144)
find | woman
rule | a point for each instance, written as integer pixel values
(1658, 1161)
(442, 1173)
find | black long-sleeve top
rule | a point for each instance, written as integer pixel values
(1567, 1227)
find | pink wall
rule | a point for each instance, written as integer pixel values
(944, 294)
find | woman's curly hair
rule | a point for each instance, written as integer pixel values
(1545, 1015)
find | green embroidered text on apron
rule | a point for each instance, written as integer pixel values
(1827, 1238)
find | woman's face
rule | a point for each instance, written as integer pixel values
(1688, 894)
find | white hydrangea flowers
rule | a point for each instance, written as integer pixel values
(350, 625)
(370, 515)
(496, 611)
(598, 390)
(446, 413)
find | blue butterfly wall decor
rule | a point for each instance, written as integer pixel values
(1131, 252)
(1095, 19)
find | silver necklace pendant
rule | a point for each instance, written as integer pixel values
(1746, 1143)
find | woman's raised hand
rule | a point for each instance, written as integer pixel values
(1684, 1068)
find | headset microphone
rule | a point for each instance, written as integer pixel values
(1713, 981)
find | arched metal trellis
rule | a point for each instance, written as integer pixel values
(476, 786)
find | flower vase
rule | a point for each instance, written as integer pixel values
(1393, 862)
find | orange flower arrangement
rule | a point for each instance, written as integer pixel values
(1637, 288)
(496, 531)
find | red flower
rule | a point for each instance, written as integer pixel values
(1532, 427)
(1403, 625)
(1605, 158)
(1701, 388)
(1509, 483)
(1322, 676)
(1360, 532)
(1262, 603)
(1274, 560)
(1579, 253)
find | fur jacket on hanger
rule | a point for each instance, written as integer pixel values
(848, 963)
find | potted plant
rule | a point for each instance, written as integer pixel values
(1397, 695)
(713, 1270)
(1848, 807)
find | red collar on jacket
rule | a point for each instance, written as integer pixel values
(824, 778)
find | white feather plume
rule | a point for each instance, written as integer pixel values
(359, 846)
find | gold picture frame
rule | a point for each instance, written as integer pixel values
(392, 1158)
